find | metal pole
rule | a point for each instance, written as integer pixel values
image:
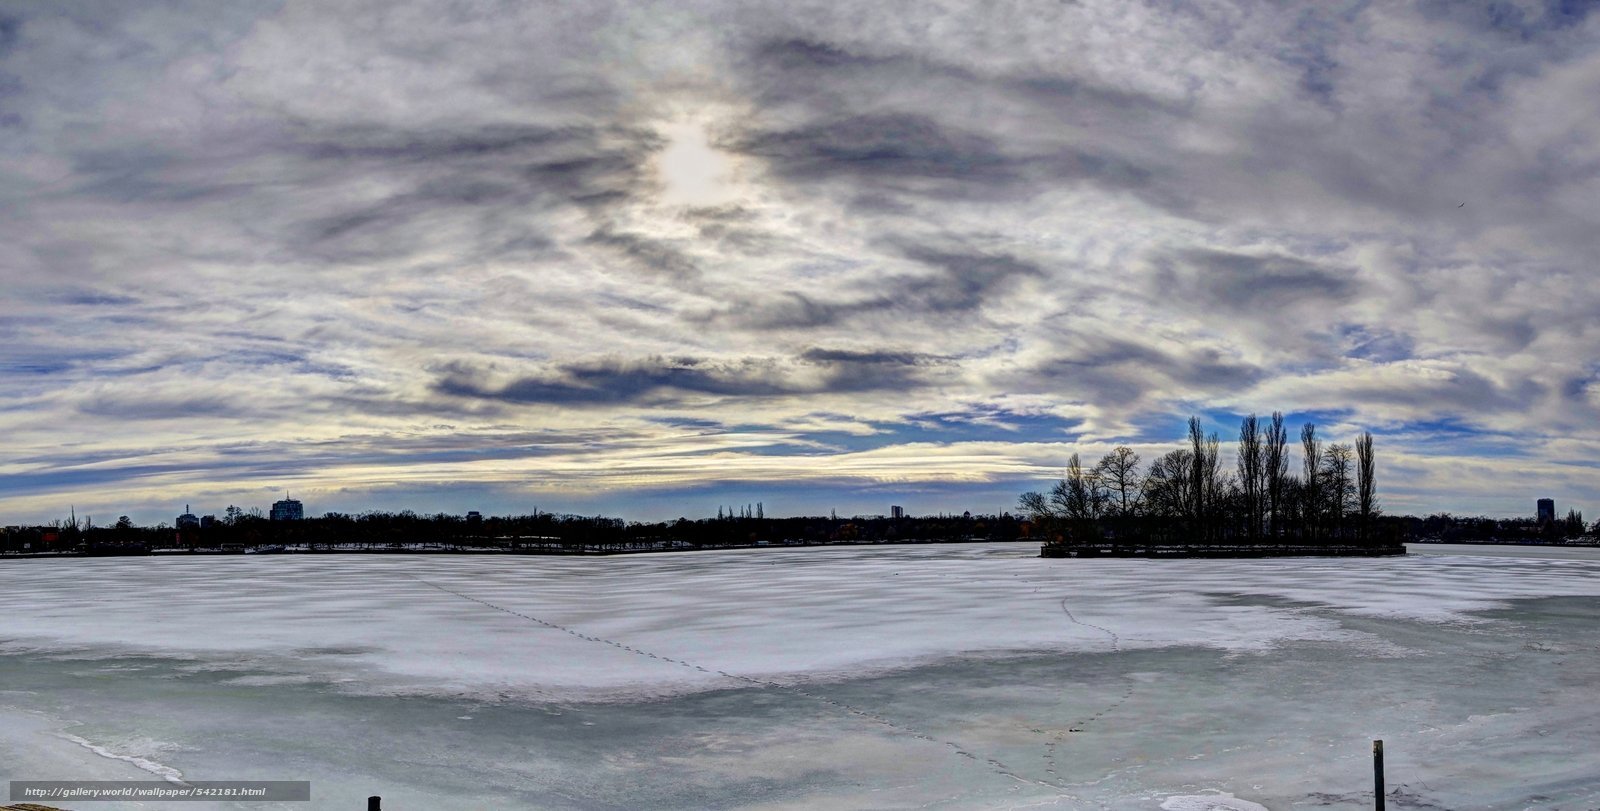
(374, 802)
(1377, 773)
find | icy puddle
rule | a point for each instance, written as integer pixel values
(889, 677)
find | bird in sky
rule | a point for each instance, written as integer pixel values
(1461, 205)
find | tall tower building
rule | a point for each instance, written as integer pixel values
(287, 510)
(1547, 510)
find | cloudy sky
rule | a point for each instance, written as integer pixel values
(652, 258)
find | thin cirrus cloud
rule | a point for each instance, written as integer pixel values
(650, 258)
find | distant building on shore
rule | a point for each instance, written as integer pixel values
(1547, 510)
(897, 512)
(287, 510)
(188, 520)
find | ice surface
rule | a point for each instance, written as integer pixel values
(951, 676)
(1209, 802)
(389, 623)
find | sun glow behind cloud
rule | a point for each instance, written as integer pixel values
(693, 172)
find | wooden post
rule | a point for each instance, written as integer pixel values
(1377, 773)
(374, 802)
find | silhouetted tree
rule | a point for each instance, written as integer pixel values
(1252, 469)
(1203, 485)
(1035, 506)
(1079, 496)
(1310, 484)
(1185, 495)
(1366, 485)
(1339, 487)
(1166, 485)
(1275, 466)
(1118, 472)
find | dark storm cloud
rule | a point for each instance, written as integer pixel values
(619, 382)
(656, 379)
(853, 371)
(846, 356)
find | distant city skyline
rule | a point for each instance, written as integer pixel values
(644, 259)
(887, 511)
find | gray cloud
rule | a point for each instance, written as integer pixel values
(1123, 372)
(663, 380)
(915, 154)
(1254, 283)
(952, 283)
(620, 382)
(882, 147)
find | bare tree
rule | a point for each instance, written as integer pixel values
(1275, 467)
(1118, 472)
(1166, 485)
(1033, 505)
(1366, 487)
(1079, 496)
(1310, 489)
(1251, 467)
(1202, 476)
(1338, 487)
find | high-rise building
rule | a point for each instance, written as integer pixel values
(1547, 510)
(287, 510)
(188, 519)
(897, 512)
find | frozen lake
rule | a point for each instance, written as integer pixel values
(960, 676)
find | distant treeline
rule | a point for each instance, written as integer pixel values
(1186, 497)
(541, 530)
(1447, 528)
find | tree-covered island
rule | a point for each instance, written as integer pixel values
(1185, 504)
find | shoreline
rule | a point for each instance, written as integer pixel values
(1222, 550)
(440, 548)
(1170, 551)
